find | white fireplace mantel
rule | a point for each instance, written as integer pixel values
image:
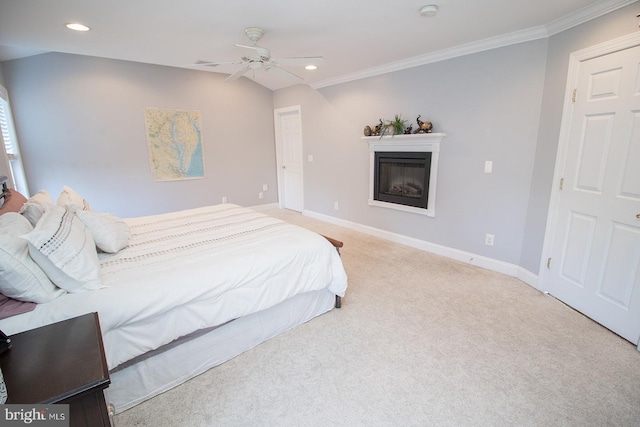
(424, 142)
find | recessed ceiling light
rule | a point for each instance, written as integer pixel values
(310, 67)
(429, 10)
(76, 26)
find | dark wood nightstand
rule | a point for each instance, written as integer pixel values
(60, 363)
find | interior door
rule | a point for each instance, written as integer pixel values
(595, 255)
(289, 149)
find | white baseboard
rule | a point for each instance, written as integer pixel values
(481, 261)
(529, 278)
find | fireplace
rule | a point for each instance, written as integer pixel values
(403, 172)
(402, 178)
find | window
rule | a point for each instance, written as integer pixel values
(8, 136)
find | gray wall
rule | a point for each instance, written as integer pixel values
(503, 105)
(488, 104)
(80, 123)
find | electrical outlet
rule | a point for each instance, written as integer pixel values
(335, 205)
(488, 240)
(261, 195)
(224, 199)
(265, 187)
(310, 158)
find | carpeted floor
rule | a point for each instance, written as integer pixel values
(421, 340)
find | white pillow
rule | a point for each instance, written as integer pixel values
(110, 233)
(63, 247)
(68, 197)
(35, 206)
(20, 277)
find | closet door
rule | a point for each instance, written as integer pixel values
(595, 257)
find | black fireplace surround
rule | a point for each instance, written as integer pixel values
(402, 178)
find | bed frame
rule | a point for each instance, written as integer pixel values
(336, 244)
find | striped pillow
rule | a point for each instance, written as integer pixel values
(20, 277)
(63, 247)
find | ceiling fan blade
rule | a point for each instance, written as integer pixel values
(213, 63)
(237, 74)
(262, 51)
(246, 46)
(282, 72)
(300, 61)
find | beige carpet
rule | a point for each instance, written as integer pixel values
(420, 340)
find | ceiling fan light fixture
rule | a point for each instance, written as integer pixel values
(76, 26)
(428, 10)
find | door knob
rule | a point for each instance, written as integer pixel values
(284, 167)
(638, 216)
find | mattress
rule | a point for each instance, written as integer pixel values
(191, 270)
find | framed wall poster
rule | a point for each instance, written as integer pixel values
(174, 139)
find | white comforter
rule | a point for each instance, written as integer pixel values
(194, 269)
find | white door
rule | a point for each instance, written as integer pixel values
(289, 152)
(595, 254)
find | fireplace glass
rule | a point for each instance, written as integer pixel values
(402, 178)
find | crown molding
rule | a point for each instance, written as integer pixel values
(545, 31)
(441, 55)
(585, 14)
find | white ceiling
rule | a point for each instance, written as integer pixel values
(356, 37)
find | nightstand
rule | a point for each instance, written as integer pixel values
(60, 363)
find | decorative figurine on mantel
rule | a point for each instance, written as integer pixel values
(396, 127)
(375, 131)
(423, 127)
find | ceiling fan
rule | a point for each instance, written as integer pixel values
(260, 58)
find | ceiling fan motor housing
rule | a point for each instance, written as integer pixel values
(254, 34)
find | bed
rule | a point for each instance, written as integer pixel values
(178, 293)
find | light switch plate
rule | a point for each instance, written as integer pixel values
(488, 166)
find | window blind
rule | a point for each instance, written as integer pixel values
(6, 126)
(7, 134)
